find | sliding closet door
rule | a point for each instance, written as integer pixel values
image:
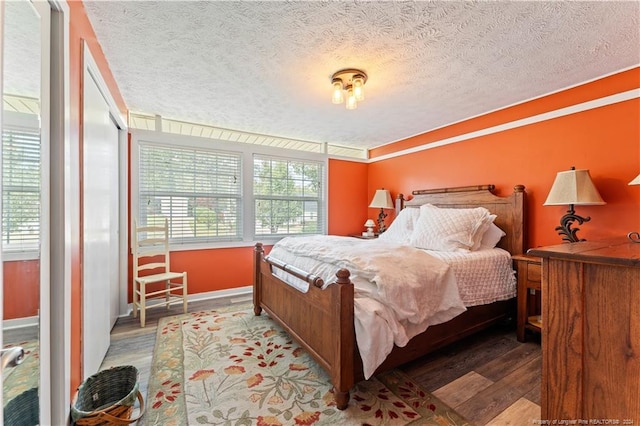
(100, 262)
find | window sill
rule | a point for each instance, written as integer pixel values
(15, 256)
(267, 241)
(220, 245)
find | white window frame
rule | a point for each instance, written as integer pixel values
(303, 198)
(247, 152)
(177, 209)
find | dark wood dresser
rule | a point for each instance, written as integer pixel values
(591, 331)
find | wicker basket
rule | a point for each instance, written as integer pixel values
(23, 410)
(108, 397)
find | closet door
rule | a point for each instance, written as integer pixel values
(100, 261)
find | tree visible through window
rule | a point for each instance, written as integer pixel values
(287, 196)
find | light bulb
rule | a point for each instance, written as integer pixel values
(337, 97)
(351, 99)
(358, 87)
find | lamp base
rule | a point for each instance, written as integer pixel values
(381, 225)
(634, 237)
(570, 234)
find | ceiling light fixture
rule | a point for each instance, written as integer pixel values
(352, 82)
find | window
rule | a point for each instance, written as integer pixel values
(198, 190)
(287, 196)
(225, 194)
(20, 189)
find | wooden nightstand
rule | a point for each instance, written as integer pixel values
(529, 271)
(590, 362)
(362, 237)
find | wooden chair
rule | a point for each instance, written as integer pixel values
(151, 267)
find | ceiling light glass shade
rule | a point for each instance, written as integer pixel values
(574, 187)
(337, 97)
(636, 181)
(358, 87)
(382, 199)
(351, 81)
(351, 99)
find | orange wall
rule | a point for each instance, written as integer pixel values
(210, 269)
(605, 140)
(348, 197)
(21, 282)
(80, 29)
(618, 83)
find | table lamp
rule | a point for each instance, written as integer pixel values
(574, 188)
(382, 199)
(369, 224)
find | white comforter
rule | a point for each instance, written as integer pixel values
(399, 290)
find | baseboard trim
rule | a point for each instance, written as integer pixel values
(15, 323)
(239, 293)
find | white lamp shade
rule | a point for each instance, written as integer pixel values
(369, 223)
(636, 181)
(382, 199)
(574, 187)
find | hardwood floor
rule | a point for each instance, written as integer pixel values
(489, 378)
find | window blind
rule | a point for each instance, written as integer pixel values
(20, 189)
(199, 191)
(287, 196)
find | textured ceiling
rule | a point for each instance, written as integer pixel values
(265, 66)
(21, 44)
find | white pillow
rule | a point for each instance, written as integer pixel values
(450, 229)
(402, 226)
(491, 237)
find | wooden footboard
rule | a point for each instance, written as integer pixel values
(321, 321)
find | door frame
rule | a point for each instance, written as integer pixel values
(56, 385)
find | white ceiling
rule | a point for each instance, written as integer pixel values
(265, 66)
(21, 44)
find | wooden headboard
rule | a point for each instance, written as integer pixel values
(509, 210)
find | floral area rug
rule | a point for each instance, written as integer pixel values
(23, 376)
(229, 367)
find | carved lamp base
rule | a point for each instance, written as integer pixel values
(570, 234)
(381, 226)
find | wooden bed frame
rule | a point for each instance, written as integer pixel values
(322, 321)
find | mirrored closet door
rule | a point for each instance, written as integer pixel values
(25, 120)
